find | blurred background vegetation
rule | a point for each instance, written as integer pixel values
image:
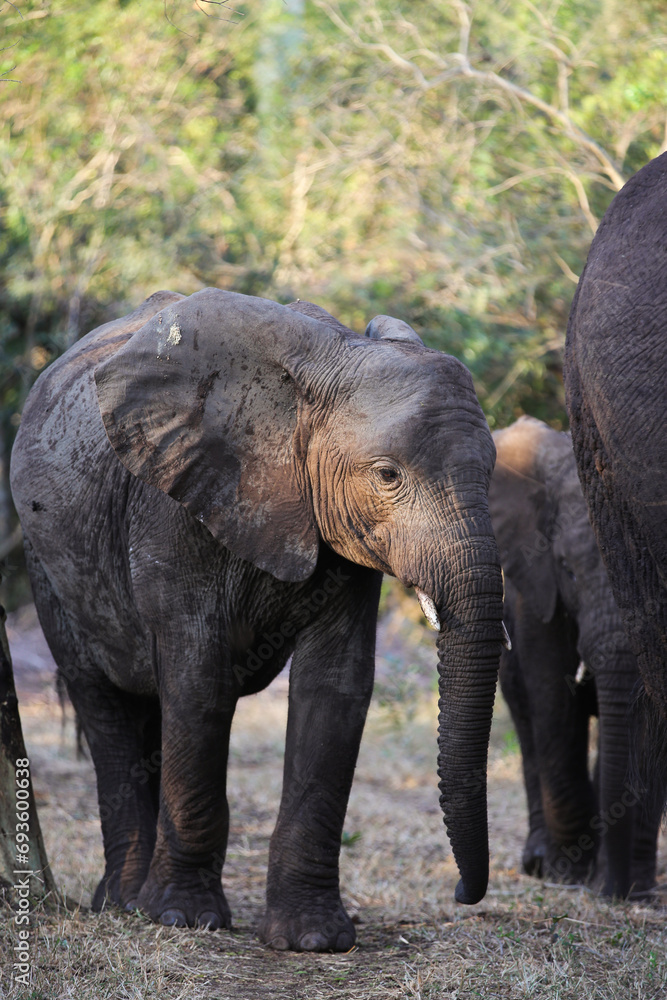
(446, 162)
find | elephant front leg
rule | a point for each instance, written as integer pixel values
(329, 696)
(304, 908)
(183, 886)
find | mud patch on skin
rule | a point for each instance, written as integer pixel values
(169, 339)
(204, 389)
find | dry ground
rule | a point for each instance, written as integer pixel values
(523, 940)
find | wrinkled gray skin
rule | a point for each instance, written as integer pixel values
(261, 467)
(561, 614)
(615, 372)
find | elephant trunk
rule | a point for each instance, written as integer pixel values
(468, 649)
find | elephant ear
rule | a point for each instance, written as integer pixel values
(522, 512)
(317, 312)
(390, 328)
(203, 403)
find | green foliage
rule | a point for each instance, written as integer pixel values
(511, 744)
(446, 162)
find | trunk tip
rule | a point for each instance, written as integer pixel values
(470, 894)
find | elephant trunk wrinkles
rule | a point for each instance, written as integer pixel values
(468, 650)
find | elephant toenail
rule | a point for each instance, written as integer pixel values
(280, 943)
(173, 918)
(344, 941)
(208, 919)
(131, 906)
(314, 942)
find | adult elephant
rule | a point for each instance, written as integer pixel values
(616, 392)
(212, 484)
(570, 659)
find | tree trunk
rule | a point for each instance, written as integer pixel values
(16, 864)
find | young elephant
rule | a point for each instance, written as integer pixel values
(570, 660)
(212, 484)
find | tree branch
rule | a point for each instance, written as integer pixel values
(463, 68)
(572, 130)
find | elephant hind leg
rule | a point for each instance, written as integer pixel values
(122, 732)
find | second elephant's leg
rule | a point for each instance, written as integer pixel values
(330, 688)
(514, 692)
(560, 711)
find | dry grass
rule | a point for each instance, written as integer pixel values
(523, 940)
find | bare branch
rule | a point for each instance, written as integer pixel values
(219, 3)
(527, 97)
(10, 4)
(465, 25)
(10, 80)
(566, 269)
(462, 68)
(382, 47)
(166, 14)
(575, 179)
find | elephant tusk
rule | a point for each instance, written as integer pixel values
(431, 615)
(507, 642)
(429, 609)
(582, 673)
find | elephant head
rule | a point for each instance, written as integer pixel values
(546, 543)
(281, 430)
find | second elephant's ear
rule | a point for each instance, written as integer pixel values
(317, 312)
(521, 513)
(390, 328)
(202, 402)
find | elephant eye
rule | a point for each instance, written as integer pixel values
(389, 475)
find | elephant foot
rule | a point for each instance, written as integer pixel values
(117, 888)
(314, 930)
(643, 881)
(569, 866)
(644, 894)
(180, 904)
(534, 853)
(639, 890)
